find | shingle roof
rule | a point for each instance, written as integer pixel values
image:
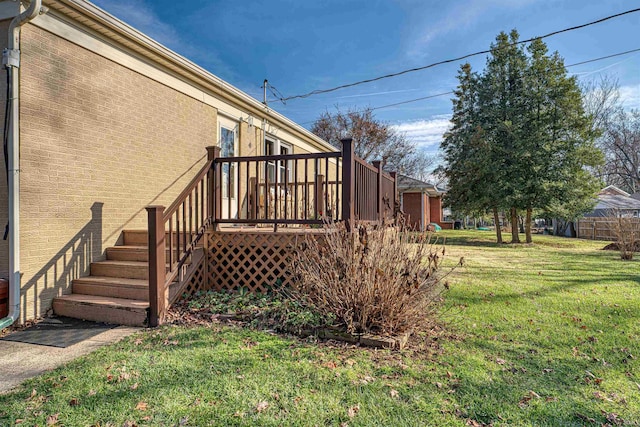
(608, 201)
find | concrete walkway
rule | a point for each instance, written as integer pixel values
(20, 361)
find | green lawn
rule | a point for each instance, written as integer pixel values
(532, 335)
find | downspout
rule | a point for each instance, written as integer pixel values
(11, 60)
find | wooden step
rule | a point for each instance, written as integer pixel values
(141, 237)
(102, 309)
(128, 253)
(117, 287)
(126, 269)
(131, 253)
(135, 238)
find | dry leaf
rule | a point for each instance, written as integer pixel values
(439, 385)
(138, 341)
(353, 411)
(33, 393)
(134, 386)
(239, 414)
(500, 361)
(394, 393)
(330, 365)
(601, 396)
(261, 406)
(129, 424)
(19, 421)
(74, 402)
(141, 406)
(52, 420)
(449, 374)
(585, 418)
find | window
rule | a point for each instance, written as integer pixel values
(227, 149)
(273, 147)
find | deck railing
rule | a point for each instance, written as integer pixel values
(174, 233)
(302, 189)
(282, 190)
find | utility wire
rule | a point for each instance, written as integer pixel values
(451, 92)
(447, 61)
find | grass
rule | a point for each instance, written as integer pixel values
(541, 335)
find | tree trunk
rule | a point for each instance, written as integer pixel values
(527, 226)
(496, 220)
(515, 238)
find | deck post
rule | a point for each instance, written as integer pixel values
(158, 293)
(348, 182)
(214, 201)
(378, 165)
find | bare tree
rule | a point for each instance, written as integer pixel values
(601, 100)
(621, 145)
(374, 140)
(619, 133)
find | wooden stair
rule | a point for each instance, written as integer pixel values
(117, 291)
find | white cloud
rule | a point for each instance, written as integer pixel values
(426, 134)
(630, 96)
(460, 16)
(142, 17)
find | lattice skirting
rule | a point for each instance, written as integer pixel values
(198, 280)
(255, 261)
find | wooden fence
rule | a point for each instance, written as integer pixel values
(602, 228)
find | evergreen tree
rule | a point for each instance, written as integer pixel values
(520, 139)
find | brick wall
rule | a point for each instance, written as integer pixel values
(435, 209)
(99, 143)
(411, 205)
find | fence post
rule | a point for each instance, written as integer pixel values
(378, 165)
(348, 182)
(158, 293)
(213, 202)
(319, 196)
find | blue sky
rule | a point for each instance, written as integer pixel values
(303, 45)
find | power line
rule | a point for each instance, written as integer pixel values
(447, 61)
(451, 92)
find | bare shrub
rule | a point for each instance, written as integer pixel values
(626, 233)
(377, 280)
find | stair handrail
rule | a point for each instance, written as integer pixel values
(190, 229)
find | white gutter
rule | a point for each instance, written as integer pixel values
(11, 60)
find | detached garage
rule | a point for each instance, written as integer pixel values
(421, 203)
